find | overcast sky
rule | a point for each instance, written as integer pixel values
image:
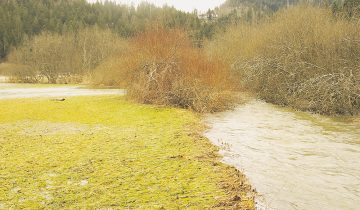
(185, 5)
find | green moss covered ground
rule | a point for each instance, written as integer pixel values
(108, 153)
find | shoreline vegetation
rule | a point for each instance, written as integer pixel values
(303, 57)
(111, 153)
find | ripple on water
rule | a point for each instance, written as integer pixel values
(295, 160)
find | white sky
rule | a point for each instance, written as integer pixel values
(185, 5)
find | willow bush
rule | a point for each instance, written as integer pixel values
(162, 67)
(65, 58)
(304, 57)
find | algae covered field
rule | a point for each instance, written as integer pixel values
(106, 152)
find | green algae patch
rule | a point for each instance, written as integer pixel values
(109, 153)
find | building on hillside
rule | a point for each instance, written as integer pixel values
(210, 15)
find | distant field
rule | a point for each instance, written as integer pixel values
(105, 152)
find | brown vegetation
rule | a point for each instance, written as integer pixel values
(303, 57)
(63, 58)
(162, 67)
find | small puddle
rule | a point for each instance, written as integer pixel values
(295, 160)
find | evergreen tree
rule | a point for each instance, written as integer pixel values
(27, 18)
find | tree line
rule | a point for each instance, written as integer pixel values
(254, 10)
(305, 56)
(23, 19)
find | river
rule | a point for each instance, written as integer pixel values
(295, 160)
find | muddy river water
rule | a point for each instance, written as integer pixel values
(294, 160)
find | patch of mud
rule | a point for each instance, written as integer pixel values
(84, 182)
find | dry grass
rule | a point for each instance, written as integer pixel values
(163, 68)
(303, 57)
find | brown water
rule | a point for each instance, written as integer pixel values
(11, 91)
(295, 160)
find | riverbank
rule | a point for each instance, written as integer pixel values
(106, 152)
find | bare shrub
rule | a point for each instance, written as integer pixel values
(55, 58)
(8, 69)
(111, 72)
(163, 68)
(303, 57)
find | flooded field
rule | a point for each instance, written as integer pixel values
(10, 91)
(295, 160)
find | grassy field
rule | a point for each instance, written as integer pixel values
(105, 153)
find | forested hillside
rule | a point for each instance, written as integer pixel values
(21, 19)
(251, 10)
(273, 5)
